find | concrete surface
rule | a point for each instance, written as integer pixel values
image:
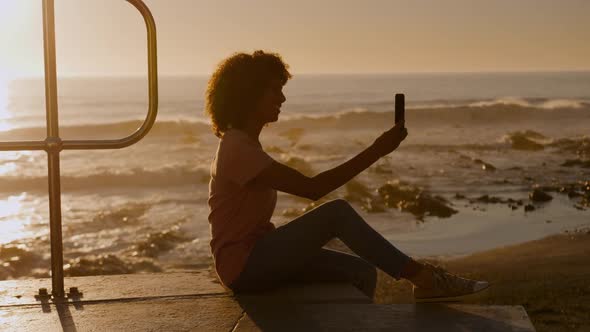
(194, 301)
(374, 317)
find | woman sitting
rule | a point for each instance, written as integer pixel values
(250, 253)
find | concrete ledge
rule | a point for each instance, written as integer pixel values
(166, 314)
(184, 301)
(374, 317)
(120, 286)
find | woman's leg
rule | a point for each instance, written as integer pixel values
(287, 250)
(332, 265)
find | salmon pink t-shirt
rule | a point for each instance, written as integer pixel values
(240, 212)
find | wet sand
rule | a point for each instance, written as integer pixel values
(550, 277)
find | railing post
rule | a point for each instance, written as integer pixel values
(53, 148)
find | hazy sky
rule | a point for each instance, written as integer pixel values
(107, 37)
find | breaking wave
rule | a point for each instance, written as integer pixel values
(137, 177)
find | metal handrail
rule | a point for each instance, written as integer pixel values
(53, 144)
(52, 92)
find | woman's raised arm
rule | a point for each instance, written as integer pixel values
(286, 179)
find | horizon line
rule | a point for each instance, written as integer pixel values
(372, 73)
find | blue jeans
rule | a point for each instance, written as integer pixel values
(294, 253)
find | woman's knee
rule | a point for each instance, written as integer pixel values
(343, 210)
(338, 205)
(336, 212)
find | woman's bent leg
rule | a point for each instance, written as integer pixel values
(332, 265)
(286, 250)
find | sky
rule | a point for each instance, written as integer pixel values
(107, 37)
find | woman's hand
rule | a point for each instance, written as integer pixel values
(390, 140)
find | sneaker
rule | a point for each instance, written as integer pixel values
(446, 286)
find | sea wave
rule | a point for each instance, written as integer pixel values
(135, 178)
(542, 103)
(491, 110)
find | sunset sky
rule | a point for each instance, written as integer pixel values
(107, 37)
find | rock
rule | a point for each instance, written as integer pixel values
(427, 205)
(160, 242)
(581, 147)
(17, 261)
(396, 192)
(489, 199)
(495, 200)
(373, 205)
(107, 264)
(576, 162)
(359, 193)
(412, 199)
(539, 196)
(356, 191)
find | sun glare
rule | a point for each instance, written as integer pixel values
(11, 219)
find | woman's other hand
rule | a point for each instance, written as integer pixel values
(390, 140)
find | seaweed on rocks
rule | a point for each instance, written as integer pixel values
(160, 242)
(359, 193)
(17, 261)
(414, 200)
(487, 199)
(578, 191)
(576, 162)
(106, 265)
(538, 195)
(480, 163)
(580, 147)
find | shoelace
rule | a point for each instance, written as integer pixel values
(445, 280)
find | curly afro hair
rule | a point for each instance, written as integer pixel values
(237, 85)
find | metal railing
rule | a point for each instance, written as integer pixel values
(53, 144)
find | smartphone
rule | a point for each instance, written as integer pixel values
(400, 107)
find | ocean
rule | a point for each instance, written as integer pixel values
(144, 208)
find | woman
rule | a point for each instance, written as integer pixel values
(250, 254)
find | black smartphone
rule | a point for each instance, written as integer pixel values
(400, 107)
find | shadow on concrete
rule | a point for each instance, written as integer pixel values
(347, 317)
(430, 317)
(65, 317)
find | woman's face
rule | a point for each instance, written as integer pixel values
(269, 105)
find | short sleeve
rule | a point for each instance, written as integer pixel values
(239, 160)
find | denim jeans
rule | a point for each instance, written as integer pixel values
(294, 253)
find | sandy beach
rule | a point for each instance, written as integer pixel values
(550, 277)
